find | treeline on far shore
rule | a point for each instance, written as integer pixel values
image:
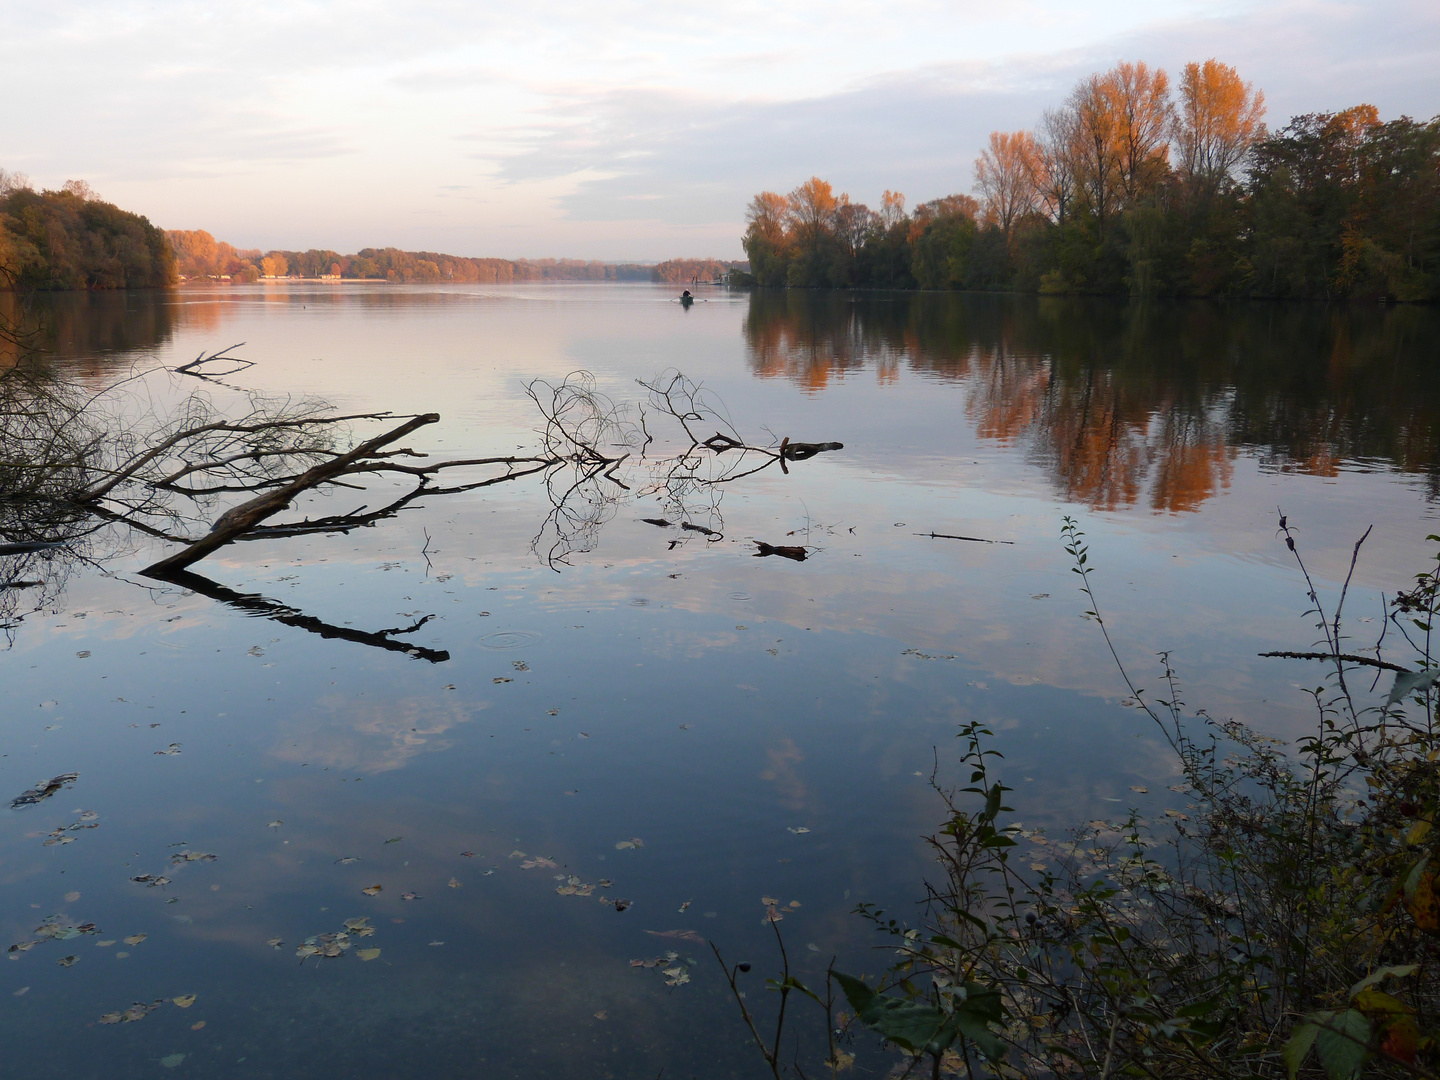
(73, 239)
(1128, 189)
(201, 256)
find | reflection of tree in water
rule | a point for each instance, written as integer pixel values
(1129, 403)
(87, 325)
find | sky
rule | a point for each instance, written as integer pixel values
(626, 131)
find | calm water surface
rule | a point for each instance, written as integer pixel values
(660, 711)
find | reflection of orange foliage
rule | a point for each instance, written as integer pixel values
(1188, 472)
(1100, 439)
(1130, 406)
(782, 349)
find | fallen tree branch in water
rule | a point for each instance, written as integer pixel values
(972, 539)
(1349, 658)
(241, 519)
(196, 367)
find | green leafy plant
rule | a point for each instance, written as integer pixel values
(1284, 922)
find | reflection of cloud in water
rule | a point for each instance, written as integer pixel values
(783, 757)
(372, 737)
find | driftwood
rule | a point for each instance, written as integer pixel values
(972, 539)
(1349, 658)
(799, 451)
(30, 545)
(196, 367)
(241, 519)
(785, 551)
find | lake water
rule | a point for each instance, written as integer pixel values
(656, 713)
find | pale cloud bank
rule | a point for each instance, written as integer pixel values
(633, 130)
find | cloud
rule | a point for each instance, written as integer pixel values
(688, 157)
(636, 129)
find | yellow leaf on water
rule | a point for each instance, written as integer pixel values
(135, 939)
(197, 1025)
(184, 1000)
(367, 954)
(372, 890)
(71, 897)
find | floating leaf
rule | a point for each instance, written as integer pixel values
(682, 935)
(135, 939)
(275, 942)
(43, 790)
(275, 824)
(454, 883)
(372, 890)
(66, 961)
(184, 1000)
(394, 839)
(135, 1012)
(467, 854)
(358, 922)
(411, 896)
(71, 897)
(191, 856)
(799, 830)
(197, 1025)
(172, 1060)
(367, 954)
(21, 992)
(347, 860)
(110, 1018)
